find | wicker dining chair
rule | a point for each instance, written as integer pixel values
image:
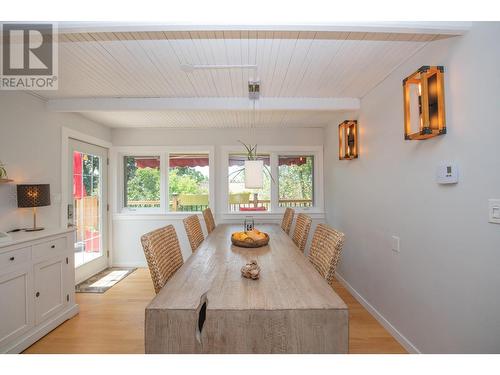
(325, 250)
(301, 231)
(286, 223)
(209, 219)
(193, 231)
(163, 254)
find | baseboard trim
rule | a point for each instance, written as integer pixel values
(130, 265)
(407, 344)
(43, 329)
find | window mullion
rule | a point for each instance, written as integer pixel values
(274, 186)
(164, 195)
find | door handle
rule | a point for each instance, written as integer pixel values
(37, 294)
(12, 259)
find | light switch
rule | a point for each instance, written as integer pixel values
(494, 211)
(395, 244)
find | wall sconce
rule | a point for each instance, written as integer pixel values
(424, 90)
(348, 140)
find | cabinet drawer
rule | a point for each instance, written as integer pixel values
(15, 257)
(49, 248)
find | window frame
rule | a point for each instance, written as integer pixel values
(313, 178)
(242, 152)
(184, 150)
(118, 176)
(274, 152)
(123, 191)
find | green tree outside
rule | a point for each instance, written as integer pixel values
(143, 184)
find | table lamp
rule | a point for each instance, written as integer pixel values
(33, 196)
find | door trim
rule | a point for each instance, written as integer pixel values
(66, 135)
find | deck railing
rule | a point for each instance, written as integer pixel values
(143, 204)
(175, 206)
(294, 203)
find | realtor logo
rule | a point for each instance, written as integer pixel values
(29, 56)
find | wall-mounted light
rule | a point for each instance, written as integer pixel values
(423, 93)
(348, 140)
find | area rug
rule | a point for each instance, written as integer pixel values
(104, 280)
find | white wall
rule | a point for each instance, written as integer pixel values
(30, 146)
(441, 291)
(127, 229)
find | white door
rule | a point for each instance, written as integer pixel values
(87, 211)
(50, 294)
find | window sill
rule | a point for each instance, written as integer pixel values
(274, 215)
(226, 216)
(154, 216)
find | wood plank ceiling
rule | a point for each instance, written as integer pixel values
(299, 64)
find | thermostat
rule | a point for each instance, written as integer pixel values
(447, 173)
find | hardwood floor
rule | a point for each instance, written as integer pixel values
(366, 334)
(113, 322)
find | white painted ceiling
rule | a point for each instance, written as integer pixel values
(212, 119)
(298, 64)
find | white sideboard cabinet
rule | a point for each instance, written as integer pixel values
(37, 286)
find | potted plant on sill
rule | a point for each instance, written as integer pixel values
(254, 169)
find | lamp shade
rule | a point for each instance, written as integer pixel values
(253, 174)
(33, 195)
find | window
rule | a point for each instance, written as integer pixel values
(295, 181)
(188, 182)
(142, 181)
(242, 199)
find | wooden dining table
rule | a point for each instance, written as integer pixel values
(208, 307)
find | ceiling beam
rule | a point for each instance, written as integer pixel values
(422, 27)
(202, 104)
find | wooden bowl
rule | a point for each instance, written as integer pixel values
(250, 243)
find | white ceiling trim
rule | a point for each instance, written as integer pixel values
(446, 28)
(202, 104)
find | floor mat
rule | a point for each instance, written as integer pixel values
(104, 280)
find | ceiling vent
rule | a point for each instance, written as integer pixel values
(253, 90)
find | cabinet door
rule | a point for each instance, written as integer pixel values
(16, 304)
(50, 294)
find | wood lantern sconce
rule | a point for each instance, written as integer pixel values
(424, 90)
(348, 140)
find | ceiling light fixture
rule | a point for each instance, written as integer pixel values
(253, 167)
(254, 91)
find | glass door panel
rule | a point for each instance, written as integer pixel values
(86, 203)
(88, 170)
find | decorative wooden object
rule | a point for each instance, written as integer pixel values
(427, 86)
(251, 270)
(348, 140)
(249, 242)
(207, 307)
